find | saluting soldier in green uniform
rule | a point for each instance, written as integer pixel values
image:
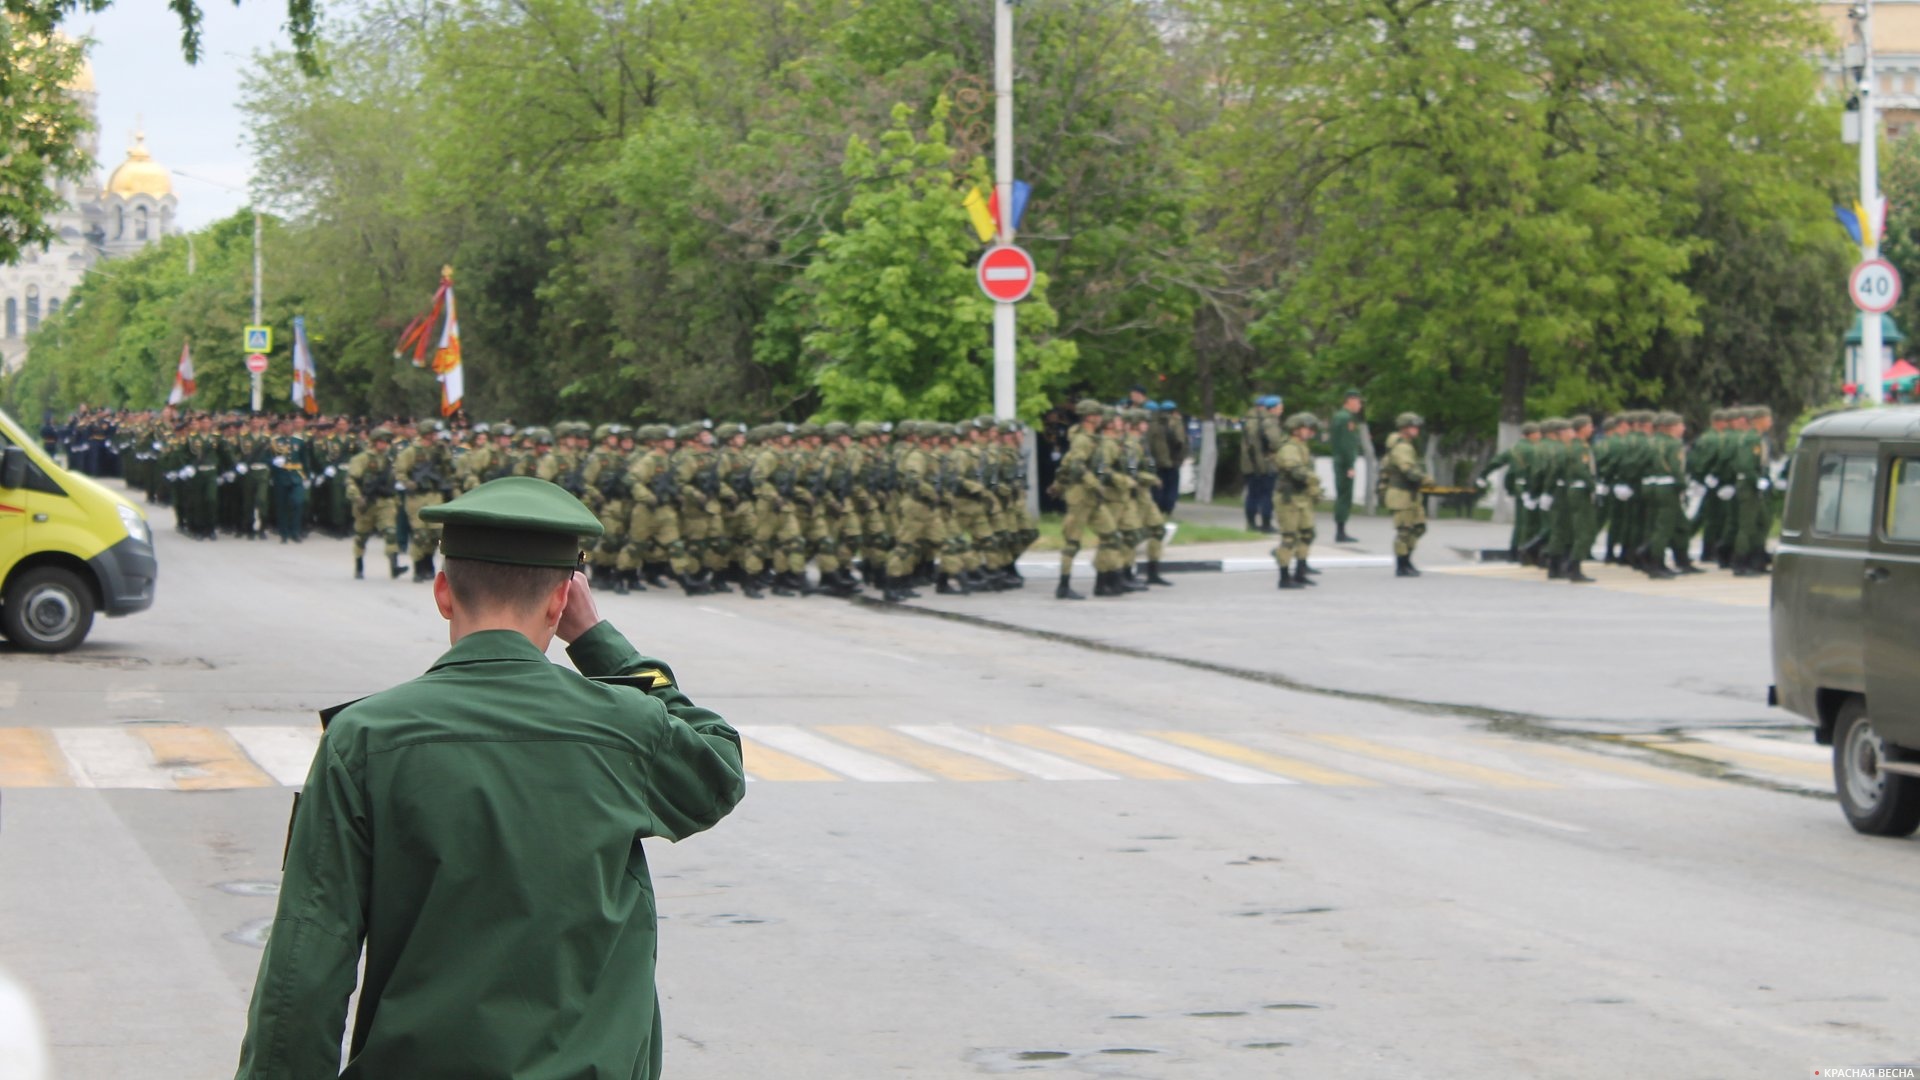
(1404, 476)
(479, 830)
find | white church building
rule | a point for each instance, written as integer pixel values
(134, 208)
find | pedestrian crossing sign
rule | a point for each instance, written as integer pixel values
(259, 339)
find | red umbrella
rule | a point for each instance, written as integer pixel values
(1901, 371)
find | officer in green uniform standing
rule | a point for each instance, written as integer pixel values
(1346, 432)
(480, 830)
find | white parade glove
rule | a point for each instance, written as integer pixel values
(1725, 493)
(240, 467)
(279, 461)
(398, 486)
(1765, 484)
(157, 446)
(1529, 502)
(1546, 502)
(189, 472)
(1713, 481)
(330, 472)
(1622, 492)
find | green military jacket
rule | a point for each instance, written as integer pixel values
(1344, 433)
(479, 829)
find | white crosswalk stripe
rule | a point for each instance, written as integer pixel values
(285, 753)
(1177, 756)
(110, 758)
(1037, 763)
(848, 762)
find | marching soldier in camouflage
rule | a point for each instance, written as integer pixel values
(424, 472)
(1403, 477)
(603, 475)
(1296, 494)
(372, 490)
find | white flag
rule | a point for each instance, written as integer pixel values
(303, 374)
(183, 376)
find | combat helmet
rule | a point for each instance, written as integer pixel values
(1303, 420)
(1089, 407)
(1409, 419)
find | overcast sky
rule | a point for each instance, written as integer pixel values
(189, 112)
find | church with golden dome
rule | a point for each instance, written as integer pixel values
(135, 207)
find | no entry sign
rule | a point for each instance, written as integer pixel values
(256, 363)
(1875, 286)
(1006, 273)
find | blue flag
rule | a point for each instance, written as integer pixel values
(1845, 216)
(1021, 189)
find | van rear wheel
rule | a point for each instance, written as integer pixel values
(1876, 802)
(48, 609)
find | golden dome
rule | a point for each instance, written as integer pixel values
(140, 174)
(82, 81)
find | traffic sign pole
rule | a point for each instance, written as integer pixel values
(1004, 322)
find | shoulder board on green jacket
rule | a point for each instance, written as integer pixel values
(646, 679)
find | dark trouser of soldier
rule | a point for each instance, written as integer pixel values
(1167, 496)
(376, 516)
(1259, 502)
(255, 508)
(1342, 500)
(290, 507)
(1662, 515)
(1750, 529)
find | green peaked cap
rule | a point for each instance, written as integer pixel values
(519, 520)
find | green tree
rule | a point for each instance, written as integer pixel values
(903, 329)
(1498, 199)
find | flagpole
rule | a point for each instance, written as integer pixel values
(1872, 365)
(256, 300)
(1004, 405)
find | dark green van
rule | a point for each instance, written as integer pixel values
(1846, 608)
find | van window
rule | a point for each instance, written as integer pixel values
(1843, 499)
(1903, 500)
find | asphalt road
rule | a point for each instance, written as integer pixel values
(1210, 831)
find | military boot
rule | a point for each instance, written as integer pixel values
(1576, 577)
(717, 581)
(1303, 568)
(1300, 572)
(359, 567)
(1153, 573)
(1065, 589)
(634, 584)
(619, 580)
(394, 569)
(691, 584)
(950, 585)
(657, 574)
(423, 568)
(750, 586)
(1556, 568)
(1403, 566)
(1341, 536)
(1683, 564)
(782, 584)
(1286, 578)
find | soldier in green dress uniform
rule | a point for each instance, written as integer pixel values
(479, 830)
(1347, 431)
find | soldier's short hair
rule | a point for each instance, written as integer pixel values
(491, 586)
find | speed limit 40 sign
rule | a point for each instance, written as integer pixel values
(1875, 286)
